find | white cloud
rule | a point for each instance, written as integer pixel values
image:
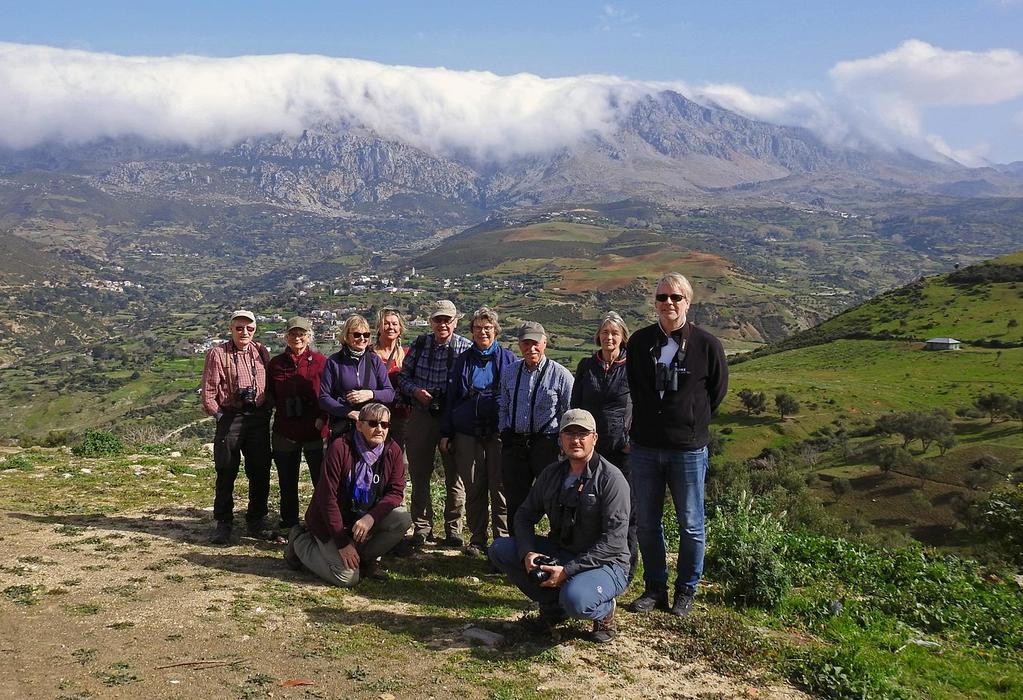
(886, 95)
(79, 96)
(76, 96)
(613, 17)
(922, 74)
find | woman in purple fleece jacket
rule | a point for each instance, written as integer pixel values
(353, 377)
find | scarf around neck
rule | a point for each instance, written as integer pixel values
(361, 476)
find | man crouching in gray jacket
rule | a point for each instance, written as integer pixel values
(581, 567)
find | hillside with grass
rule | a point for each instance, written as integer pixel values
(980, 304)
(852, 381)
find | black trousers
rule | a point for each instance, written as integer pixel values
(523, 457)
(288, 459)
(241, 435)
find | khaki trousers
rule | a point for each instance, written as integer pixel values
(323, 559)
(478, 461)
(422, 439)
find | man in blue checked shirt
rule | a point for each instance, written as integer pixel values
(535, 392)
(424, 379)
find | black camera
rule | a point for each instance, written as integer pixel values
(538, 574)
(294, 407)
(247, 396)
(436, 405)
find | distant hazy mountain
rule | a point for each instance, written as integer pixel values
(668, 149)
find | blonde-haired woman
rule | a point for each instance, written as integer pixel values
(390, 327)
(353, 377)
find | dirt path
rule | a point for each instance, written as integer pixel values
(137, 605)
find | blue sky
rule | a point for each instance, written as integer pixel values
(766, 48)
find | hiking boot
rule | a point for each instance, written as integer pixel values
(221, 533)
(474, 551)
(374, 570)
(650, 600)
(410, 545)
(260, 529)
(683, 604)
(605, 629)
(544, 622)
(452, 542)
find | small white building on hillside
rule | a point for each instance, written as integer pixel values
(942, 344)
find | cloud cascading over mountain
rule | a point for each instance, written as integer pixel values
(69, 96)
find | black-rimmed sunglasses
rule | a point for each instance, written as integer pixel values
(674, 297)
(367, 335)
(385, 424)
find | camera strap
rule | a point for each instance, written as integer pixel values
(532, 399)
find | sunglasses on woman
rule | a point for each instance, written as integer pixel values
(385, 424)
(367, 335)
(674, 297)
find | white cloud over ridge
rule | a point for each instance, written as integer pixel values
(49, 94)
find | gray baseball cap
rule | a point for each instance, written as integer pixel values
(242, 313)
(444, 307)
(531, 330)
(580, 417)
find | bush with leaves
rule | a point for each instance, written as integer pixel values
(98, 443)
(746, 554)
(1000, 517)
(842, 674)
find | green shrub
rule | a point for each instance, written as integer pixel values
(1000, 517)
(746, 553)
(842, 674)
(98, 443)
(19, 462)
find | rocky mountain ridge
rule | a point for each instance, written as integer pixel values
(668, 149)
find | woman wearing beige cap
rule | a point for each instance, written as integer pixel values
(299, 422)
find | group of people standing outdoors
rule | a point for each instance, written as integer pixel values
(518, 438)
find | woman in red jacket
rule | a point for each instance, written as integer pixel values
(299, 423)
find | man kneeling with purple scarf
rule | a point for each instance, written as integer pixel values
(355, 515)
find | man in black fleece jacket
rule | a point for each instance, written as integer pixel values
(677, 377)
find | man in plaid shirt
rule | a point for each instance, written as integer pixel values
(423, 379)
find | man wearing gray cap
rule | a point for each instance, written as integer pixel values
(234, 393)
(535, 392)
(423, 379)
(581, 567)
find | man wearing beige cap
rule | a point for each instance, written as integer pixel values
(535, 392)
(423, 379)
(581, 566)
(234, 393)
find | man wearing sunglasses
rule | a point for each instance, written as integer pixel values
(586, 500)
(234, 393)
(678, 377)
(355, 515)
(423, 380)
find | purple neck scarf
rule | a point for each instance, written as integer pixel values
(361, 476)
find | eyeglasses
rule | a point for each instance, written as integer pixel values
(239, 329)
(297, 333)
(367, 335)
(576, 435)
(674, 297)
(385, 424)
(484, 329)
(442, 320)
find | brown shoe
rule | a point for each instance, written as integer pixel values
(375, 571)
(605, 629)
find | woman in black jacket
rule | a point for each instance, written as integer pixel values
(602, 388)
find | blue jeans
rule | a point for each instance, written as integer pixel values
(683, 473)
(588, 595)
